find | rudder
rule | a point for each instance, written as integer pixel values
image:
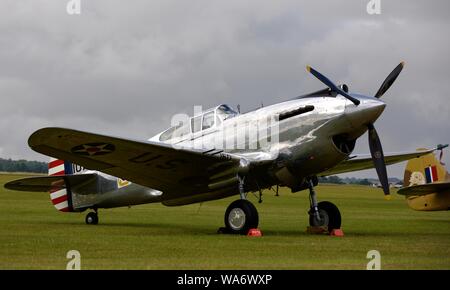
(61, 198)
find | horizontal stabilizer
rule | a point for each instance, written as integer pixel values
(423, 189)
(48, 183)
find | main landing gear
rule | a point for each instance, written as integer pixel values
(322, 214)
(92, 218)
(241, 215)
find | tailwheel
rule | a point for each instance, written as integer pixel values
(240, 217)
(92, 218)
(329, 216)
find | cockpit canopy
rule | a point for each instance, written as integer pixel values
(206, 120)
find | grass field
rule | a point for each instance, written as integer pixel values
(33, 235)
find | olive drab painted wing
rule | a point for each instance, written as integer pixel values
(177, 172)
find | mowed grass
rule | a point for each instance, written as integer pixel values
(33, 235)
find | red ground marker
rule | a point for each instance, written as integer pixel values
(337, 233)
(254, 233)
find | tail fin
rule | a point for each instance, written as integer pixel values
(423, 170)
(61, 198)
(425, 184)
(58, 167)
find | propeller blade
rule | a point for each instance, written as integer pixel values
(331, 85)
(389, 80)
(378, 159)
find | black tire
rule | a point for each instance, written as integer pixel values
(241, 226)
(92, 218)
(329, 215)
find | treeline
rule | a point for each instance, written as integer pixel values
(337, 180)
(8, 165)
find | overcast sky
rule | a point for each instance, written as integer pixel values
(125, 67)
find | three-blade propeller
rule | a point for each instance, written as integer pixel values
(376, 149)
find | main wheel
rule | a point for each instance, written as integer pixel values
(241, 216)
(92, 218)
(329, 216)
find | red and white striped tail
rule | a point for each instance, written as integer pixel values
(58, 196)
(56, 167)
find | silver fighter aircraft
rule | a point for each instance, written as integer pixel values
(315, 136)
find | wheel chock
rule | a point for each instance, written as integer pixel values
(337, 233)
(317, 230)
(254, 233)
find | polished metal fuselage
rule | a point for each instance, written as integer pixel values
(305, 146)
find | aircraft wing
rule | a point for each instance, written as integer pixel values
(175, 171)
(424, 189)
(361, 162)
(48, 183)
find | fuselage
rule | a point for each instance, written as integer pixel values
(301, 144)
(430, 202)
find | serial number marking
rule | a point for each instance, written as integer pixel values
(224, 156)
(77, 168)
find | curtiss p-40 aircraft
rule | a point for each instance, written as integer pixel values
(315, 136)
